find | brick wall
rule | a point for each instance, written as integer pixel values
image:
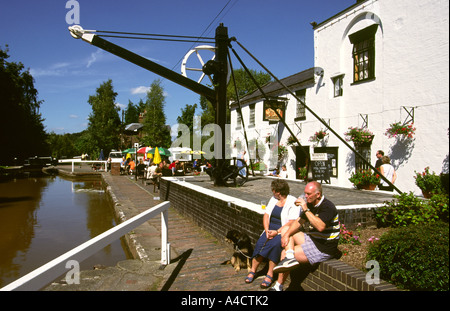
(216, 215)
(211, 213)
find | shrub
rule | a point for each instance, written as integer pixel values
(407, 209)
(414, 257)
(428, 181)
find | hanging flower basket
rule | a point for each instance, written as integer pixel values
(359, 136)
(318, 136)
(398, 130)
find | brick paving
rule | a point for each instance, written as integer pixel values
(197, 256)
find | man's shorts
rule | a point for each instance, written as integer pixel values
(312, 253)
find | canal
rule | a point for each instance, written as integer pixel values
(42, 218)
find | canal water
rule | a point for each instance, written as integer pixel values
(42, 218)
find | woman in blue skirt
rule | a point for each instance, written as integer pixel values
(280, 213)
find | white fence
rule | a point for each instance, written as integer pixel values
(73, 161)
(47, 273)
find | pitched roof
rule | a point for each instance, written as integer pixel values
(133, 127)
(296, 81)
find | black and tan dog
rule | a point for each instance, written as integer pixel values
(243, 250)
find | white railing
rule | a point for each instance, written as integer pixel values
(47, 273)
(73, 161)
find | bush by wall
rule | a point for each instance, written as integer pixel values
(414, 257)
(407, 209)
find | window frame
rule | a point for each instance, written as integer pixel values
(252, 116)
(300, 109)
(363, 54)
(238, 119)
(340, 79)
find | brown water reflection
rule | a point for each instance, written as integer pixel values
(42, 218)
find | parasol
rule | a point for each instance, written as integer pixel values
(157, 156)
(161, 150)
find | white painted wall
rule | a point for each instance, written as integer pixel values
(412, 69)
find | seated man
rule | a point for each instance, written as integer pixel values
(131, 167)
(140, 169)
(317, 245)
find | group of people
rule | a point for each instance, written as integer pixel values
(127, 166)
(201, 165)
(284, 244)
(280, 173)
(383, 165)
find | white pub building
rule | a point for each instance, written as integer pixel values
(376, 63)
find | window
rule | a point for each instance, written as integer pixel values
(337, 85)
(364, 53)
(300, 109)
(238, 119)
(251, 121)
(365, 152)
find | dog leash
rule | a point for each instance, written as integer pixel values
(237, 248)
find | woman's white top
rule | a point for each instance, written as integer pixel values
(290, 210)
(388, 173)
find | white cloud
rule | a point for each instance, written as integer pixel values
(121, 106)
(96, 56)
(140, 90)
(54, 70)
(73, 116)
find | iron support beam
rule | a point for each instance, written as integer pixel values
(152, 66)
(220, 81)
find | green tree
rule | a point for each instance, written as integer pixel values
(22, 132)
(104, 121)
(132, 113)
(155, 131)
(62, 145)
(244, 84)
(187, 118)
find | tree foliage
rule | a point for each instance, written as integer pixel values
(131, 113)
(104, 122)
(22, 132)
(187, 118)
(155, 131)
(244, 86)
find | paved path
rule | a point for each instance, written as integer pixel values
(196, 255)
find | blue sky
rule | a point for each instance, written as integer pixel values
(67, 71)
